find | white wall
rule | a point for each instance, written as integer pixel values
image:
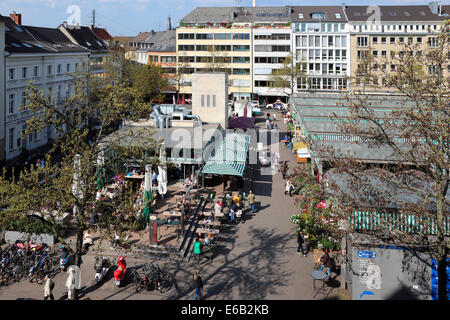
(43, 81)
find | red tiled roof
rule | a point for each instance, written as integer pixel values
(102, 33)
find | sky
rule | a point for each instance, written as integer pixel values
(129, 17)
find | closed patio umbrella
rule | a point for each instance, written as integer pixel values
(147, 192)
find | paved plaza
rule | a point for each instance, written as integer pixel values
(257, 258)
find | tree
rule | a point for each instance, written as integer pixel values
(288, 75)
(71, 184)
(415, 186)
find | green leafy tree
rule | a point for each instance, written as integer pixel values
(417, 134)
(71, 183)
(288, 75)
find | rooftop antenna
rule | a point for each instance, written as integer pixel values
(93, 18)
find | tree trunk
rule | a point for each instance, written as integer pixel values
(442, 248)
(78, 249)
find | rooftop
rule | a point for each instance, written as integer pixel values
(396, 13)
(318, 13)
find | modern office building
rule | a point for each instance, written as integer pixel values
(217, 39)
(322, 47)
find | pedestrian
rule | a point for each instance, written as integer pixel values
(197, 249)
(233, 210)
(300, 241)
(288, 187)
(251, 200)
(48, 288)
(275, 117)
(291, 188)
(268, 124)
(326, 262)
(198, 284)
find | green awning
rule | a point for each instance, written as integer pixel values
(362, 220)
(228, 158)
(231, 168)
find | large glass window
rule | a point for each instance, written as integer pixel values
(222, 36)
(241, 36)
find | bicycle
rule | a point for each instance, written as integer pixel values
(160, 279)
(140, 280)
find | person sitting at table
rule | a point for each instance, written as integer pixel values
(208, 240)
(201, 216)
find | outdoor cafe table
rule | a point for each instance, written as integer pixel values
(207, 223)
(216, 215)
(171, 214)
(319, 276)
(206, 230)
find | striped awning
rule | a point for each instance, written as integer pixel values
(229, 157)
(362, 220)
(231, 168)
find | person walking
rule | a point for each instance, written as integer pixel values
(300, 241)
(288, 187)
(233, 210)
(198, 284)
(251, 200)
(197, 250)
(48, 288)
(326, 262)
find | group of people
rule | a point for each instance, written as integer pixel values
(325, 259)
(270, 122)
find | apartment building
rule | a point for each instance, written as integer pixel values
(322, 47)
(3, 20)
(43, 57)
(86, 38)
(217, 39)
(415, 25)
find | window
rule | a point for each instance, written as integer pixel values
(242, 47)
(432, 42)
(12, 103)
(241, 59)
(11, 139)
(361, 41)
(375, 53)
(375, 40)
(383, 53)
(419, 40)
(24, 98)
(58, 94)
(24, 72)
(241, 71)
(337, 15)
(383, 40)
(222, 36)
(317, 15)
(392, 40)
(49, 70)
(36, 71)
(401, 39)
(241, 36)
(186, 47)
(204, 36)
(59, 69)
(300, 16)
(68, 67)
(12, 74)
(223, 47)
(185, 36)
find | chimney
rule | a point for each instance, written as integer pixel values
(17, 17)
(170, 25)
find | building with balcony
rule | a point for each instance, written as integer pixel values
(385, 38)
(322, 47)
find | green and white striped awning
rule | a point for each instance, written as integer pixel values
(362, 220)
(234, 148)
(231, 168)
(229, 157)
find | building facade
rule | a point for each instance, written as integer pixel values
(43, 57)
(322, 47)
(383, 40)
(3, 20)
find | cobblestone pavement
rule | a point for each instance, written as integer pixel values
(256, 260)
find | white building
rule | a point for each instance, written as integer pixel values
(2, 85)
(44, 57)
(271, 45)
(322, 42)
